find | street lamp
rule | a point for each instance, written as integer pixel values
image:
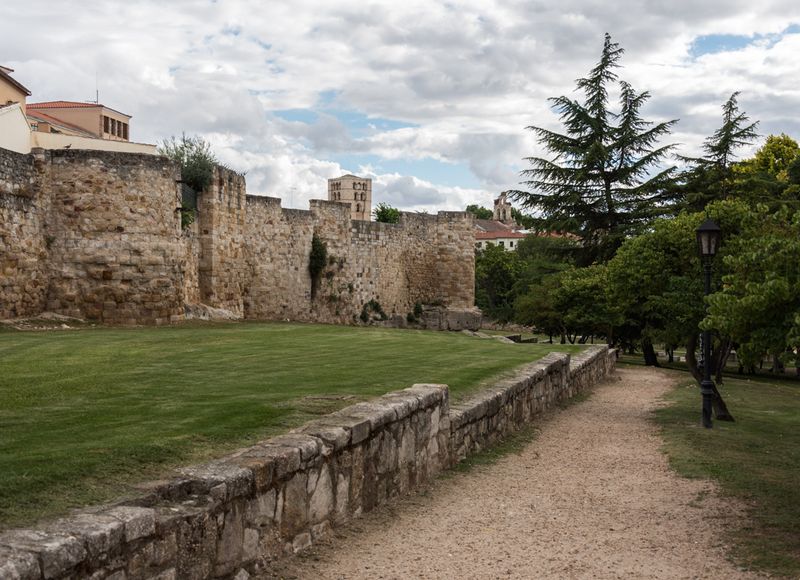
(708, 237)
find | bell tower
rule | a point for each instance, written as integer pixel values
(357, 191)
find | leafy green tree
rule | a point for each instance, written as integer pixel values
(711, 177)
(386, 214)
(773, 158)
(766, 178)
(537, 308)
(603, 182)
(496, 273)
(480, 212)
(583, 299)
(195, 158)
(759, 303)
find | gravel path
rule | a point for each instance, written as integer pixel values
(591, 497)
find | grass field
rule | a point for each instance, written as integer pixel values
(756, 459)
(84, 414)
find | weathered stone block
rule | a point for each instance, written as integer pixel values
(19, 565)
(137, 522)
(57, 553)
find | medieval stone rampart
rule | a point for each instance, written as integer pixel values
(230, 517)
(97, 235)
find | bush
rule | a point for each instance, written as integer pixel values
(195, 157)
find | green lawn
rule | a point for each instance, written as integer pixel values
(756, 459)
(86, 413)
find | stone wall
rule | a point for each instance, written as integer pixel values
(424, 258)
(115, 254)
(97, 235)
(23, 245)
(229, 518)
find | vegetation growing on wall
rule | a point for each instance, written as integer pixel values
(195, 158)
(386, 214)
(370, 308)
(317, 260)
(196, 161)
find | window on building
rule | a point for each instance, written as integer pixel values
(106, 123)
(125, 131)
(358, 208)
(501, 243)
(510, 244)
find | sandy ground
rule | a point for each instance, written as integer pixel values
(591, 497)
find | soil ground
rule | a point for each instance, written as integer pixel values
(592, 496)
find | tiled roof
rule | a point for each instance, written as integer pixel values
(72, 105)
(9, 79)
(63, 105)
(499, 235)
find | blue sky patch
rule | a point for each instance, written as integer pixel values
(714, 43)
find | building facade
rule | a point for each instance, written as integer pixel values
(90, 119)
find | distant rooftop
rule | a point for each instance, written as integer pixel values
(70, 105)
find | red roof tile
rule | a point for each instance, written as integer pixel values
(62, 105)
(499, 235)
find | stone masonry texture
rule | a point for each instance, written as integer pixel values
(230, 517)
(97, 235)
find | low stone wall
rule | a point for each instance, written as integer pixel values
(229, 518)
(512, 403)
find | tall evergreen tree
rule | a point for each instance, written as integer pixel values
(603, 181)
(710, 178)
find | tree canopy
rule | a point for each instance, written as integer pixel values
(480, 212)
(387, 214)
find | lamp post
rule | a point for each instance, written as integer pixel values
(708, 237)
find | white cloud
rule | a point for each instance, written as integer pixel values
(466, 75)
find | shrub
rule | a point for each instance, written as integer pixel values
(195, 157)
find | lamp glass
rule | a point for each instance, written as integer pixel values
(708, 236)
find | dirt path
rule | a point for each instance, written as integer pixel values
(591, 497)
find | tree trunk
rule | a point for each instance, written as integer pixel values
(720, 408)
(720, 359)
(650, 357)
(777, 365)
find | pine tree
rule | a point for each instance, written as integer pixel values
(602, 183)
(710, 177)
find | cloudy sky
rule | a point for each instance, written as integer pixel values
(428, 98)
